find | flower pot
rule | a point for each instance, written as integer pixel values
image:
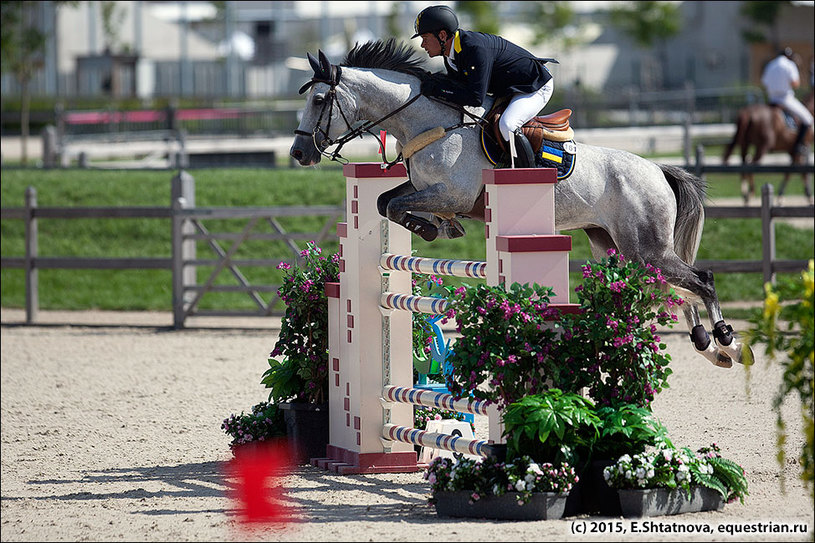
(307, 430)
(592, 495)
(541, 506)
(654, 502)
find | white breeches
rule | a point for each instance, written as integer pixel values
(795, 108)
(523, 107)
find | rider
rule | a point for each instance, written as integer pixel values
(780, 79)
(483, 63)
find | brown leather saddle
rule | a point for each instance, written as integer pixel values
(553, 127)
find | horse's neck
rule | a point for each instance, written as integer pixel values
(378, 96)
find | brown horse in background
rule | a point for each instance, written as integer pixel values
(764, 127)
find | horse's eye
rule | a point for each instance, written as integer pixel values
(319, 100)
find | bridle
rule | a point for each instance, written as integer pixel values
(328, 105)
(331, 77)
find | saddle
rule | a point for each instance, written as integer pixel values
(789, 120)
(552, 127)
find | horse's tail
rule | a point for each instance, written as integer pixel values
(742, 124)
(690, 192)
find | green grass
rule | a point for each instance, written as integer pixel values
(738, 239)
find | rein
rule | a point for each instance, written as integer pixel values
(365, 127)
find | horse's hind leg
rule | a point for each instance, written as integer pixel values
(700, 283)
(701, 339)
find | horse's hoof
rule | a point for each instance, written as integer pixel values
(451, 229)
(715, 356)
(739, 352)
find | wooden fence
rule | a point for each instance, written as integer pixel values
(188, 229)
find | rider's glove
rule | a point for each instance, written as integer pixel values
(432, 88)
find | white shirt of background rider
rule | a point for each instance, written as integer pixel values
(780, 78)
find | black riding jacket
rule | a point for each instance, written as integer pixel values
(485, 63)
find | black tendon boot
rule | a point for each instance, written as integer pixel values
(800, 148)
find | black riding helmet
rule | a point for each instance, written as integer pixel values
(434, 19)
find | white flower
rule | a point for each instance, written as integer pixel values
(534, 468)
(667, 454)
(530, 477)
(641, 473)
(520, 485)
(624, 458)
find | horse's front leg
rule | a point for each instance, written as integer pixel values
(434, 199)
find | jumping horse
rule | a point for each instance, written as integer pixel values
(650, 213)
(764, 128)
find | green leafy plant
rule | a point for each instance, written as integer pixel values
(672, 468)
(628, 429)
(553, 427)
(302, 374)
(265, 422)
(513, 343)
(611, 347)
(504, 350)
(491, 477)
(790, 305)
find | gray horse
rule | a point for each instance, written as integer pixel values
(649, 212)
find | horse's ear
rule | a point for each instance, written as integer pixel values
(315, 64)
(324, 63)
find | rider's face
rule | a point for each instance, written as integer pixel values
(431, 44)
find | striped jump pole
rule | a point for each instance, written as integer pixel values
(414, 436)
(416, 304)
(456, 268)
(428, 398)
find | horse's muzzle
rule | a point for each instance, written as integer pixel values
(304, 151)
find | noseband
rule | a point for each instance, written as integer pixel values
(330, 98)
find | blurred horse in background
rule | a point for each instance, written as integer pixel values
(765, 128)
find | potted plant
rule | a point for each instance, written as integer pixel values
(299, 378)
(264, 423)
(517, 490)
(669, 481)
(790, 305)
(515, 350)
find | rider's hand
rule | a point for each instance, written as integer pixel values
(431, 88)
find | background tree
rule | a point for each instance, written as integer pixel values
(551, 19)
(482, 16)
(762, 14)
(648, 24)
(113, 15)
(22, 54)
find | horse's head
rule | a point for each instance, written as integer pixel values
(326, 114)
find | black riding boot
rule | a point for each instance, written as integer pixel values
(800, 148)
(526, 157)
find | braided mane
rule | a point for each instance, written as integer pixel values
(387, 55)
